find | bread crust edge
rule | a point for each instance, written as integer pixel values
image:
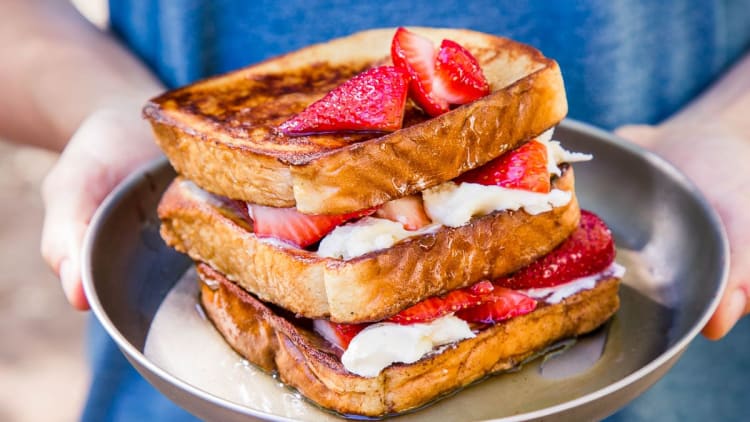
(375, 285)
(303, 360)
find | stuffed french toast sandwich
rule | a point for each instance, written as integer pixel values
(385, 218)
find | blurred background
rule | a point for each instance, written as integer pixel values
(42, 346)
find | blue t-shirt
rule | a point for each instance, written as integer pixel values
(624, 61)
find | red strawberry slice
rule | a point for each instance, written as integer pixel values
(481, 302)
(589, 250)
(408, 211)
(523, 168)
(498, 305)
(294, 227)
(373, 100)
(416, 55)
(481, 288)
(340, 335)
(458, 77)
(436, 307)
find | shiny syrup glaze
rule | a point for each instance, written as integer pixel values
(180, 323)
(249, 108)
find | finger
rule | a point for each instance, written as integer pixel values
(71, 193)
(108, 145)
(732, 307)
(67, 200)
(70, 270)
(719, 174)
(61, 251)
(642, 135)
(67, 212)
(736, 300)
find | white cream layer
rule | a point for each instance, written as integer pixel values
(365, 235)
(454, 205)
(380, 345)
(557, 293)
(451, 204)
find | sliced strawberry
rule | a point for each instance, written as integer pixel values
(589, 250)
(458, 77)
(481, 302)
(373, 100)
(436, 307)
(416, 55)
(498, 305)
(292, 226)
(481, 288)
(408, 211)
(523, 168)
(340, 335)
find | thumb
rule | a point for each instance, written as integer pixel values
(100, 154)
(71, 192)
(67, 212)
(62, 240)
(643, 135)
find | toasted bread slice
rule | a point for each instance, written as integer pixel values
(222, 132)
(369, 287)
(305, 361)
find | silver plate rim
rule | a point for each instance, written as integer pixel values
(124, 188)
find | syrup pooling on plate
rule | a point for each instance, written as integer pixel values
(185, 344)
(178, 328)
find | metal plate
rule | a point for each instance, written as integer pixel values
(669, 239)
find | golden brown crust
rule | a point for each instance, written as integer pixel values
(306, 362)
(221, 132)
(372, 286)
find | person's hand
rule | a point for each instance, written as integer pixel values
(716, 159)
(108, 145)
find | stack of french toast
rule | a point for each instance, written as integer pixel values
(384, 218)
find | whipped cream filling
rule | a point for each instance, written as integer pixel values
(454, 205)
(557, 155)
(365, 235)
(202, 195)
(451, 204)
(381, 345)
(556, 294)
(448, 204)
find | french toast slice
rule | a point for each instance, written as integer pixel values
(372, 286)
(222, 132)
(304, 360)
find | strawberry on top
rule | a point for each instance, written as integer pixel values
(458, 77)
(416, 55)
(438, 78)
(373, 100)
